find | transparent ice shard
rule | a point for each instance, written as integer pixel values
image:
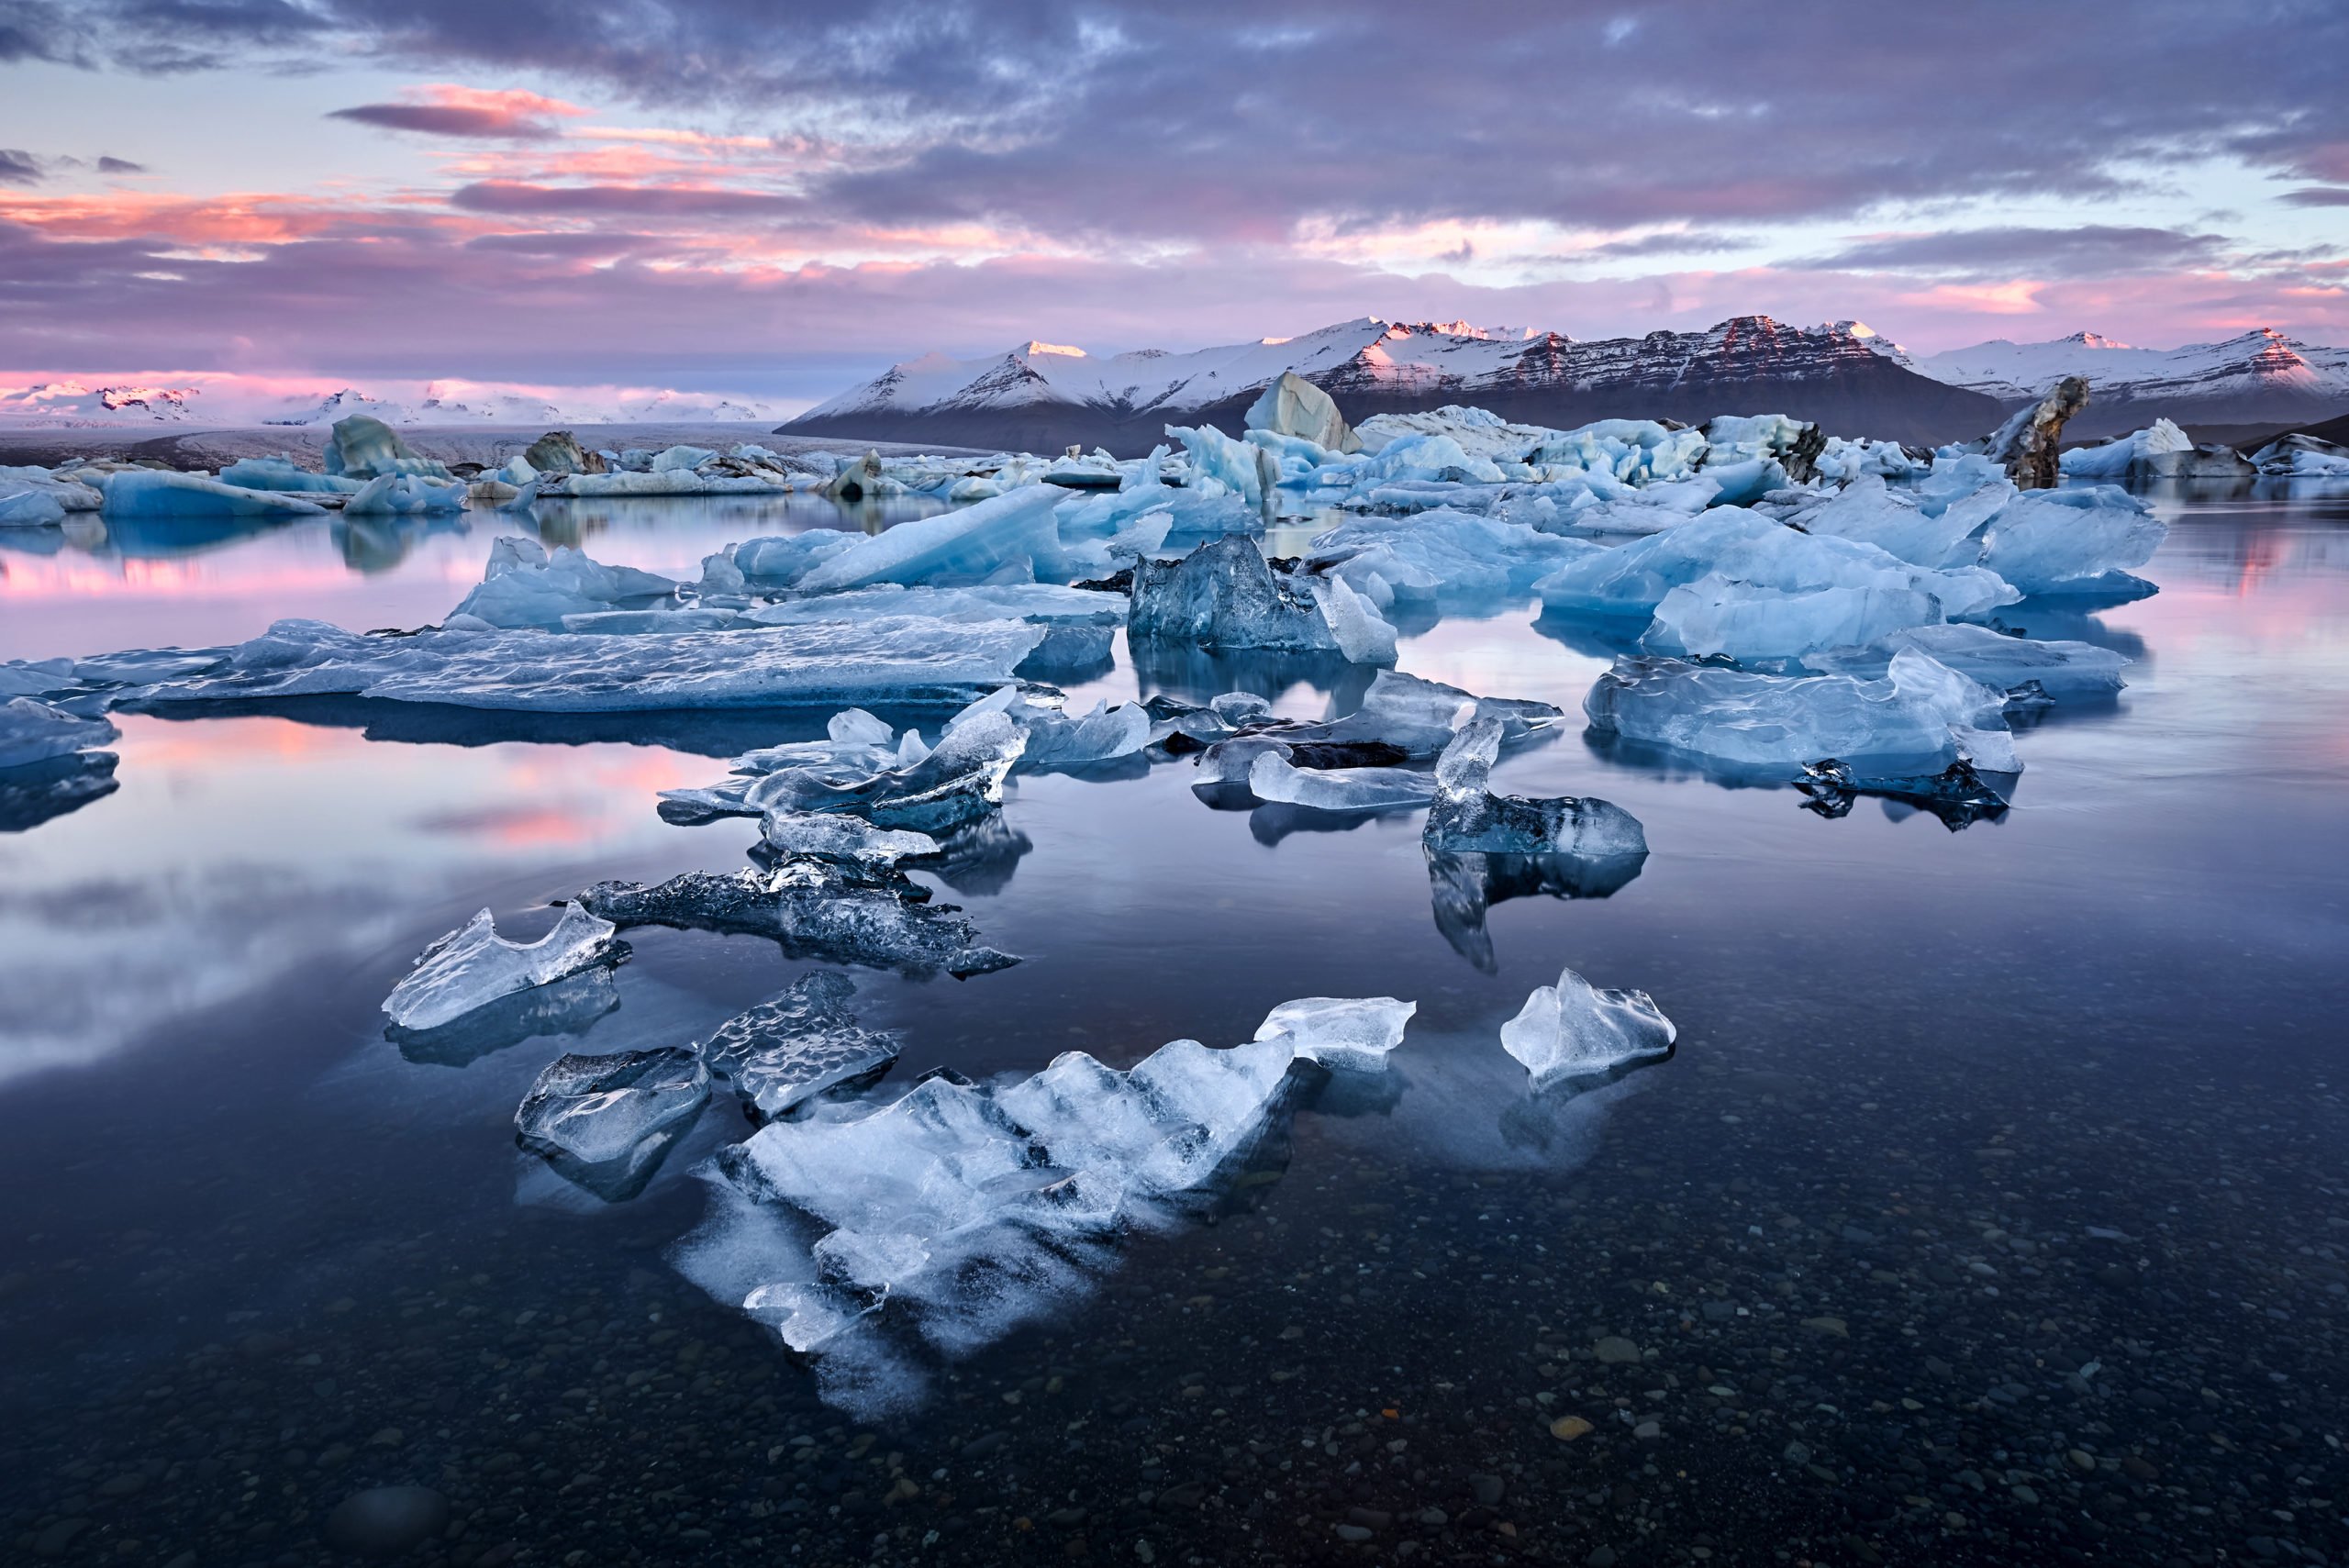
(473, 966)
(605, 1122)
(783, 1053)
(1271, 777)
(1573, 1030)
(1349, 1034)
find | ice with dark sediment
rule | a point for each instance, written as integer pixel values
(1463, 886)
(605, 1122)
(1959, 796)
(526, 585)
(473, 966)
(1573, 1030)
(2061, 668)
(1921, 711)
(1466, 816)
(806, 1042)
(1224, 594)
(34, 731)
(813, 909)
(895, 659)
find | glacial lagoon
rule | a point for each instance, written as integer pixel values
(1987, 1205)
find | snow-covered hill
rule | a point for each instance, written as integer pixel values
(70, 404)
(1039, 395)
(2255, 377)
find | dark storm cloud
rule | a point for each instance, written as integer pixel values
(19, 168)
(447, 120)
(2318, 196)
(1202, 120)
(2089, 250)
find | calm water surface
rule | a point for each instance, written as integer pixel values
(1991, 1209)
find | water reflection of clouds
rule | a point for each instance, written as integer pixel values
(238, 850)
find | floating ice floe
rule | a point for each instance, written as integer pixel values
(36, 497)
(1224, 596)
(1013, 533)
(605, 1122)
(815, 909)
(525, 585)
(2058, 669)
(1920, 712)
(406, 495)
(1467, 816)
(2295, 456)
(2071, 541)
(1443, 557)
(772, 563)
(33, 731)
(150, 493)
(2161, 450)
(280, 473)
(473, 966)
(780, 1054)
(958, 1211)
(899, 658)
(1573, 1031)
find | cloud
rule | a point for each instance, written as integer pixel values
(447, 109)
(2089, 250)
(1679, 242)
(19, 168)
(513, 197)
(2318, 196)
(120, 166)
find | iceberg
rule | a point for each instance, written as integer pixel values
(1293, 405)
(33, 731)
(1922, 529)
(473, 966)
(1715, 614)
(1345, 1034)
(605, 1122)
(524, 586)
(898, 659)
(406, 495)
(1012, 538)
(1466, 816)
(150, 493)
(1043, 604)
(1573, 1030)
(771, 563)
(1445, 557)
(2292, 456)
(280, 473)
(2071, 541)
(32, 496)
(2060, 669)
(2116, 460)
(1740, 547)
(363, 447)
(29, 508)
(1224, 596)
(780, 1054)
(816, 911)
(1921, 711)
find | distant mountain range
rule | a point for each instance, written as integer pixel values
(1042, 396)
(2260, 377)
(1854, 380)
(69, 405)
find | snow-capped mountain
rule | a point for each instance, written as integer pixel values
(1044, 395)
(69, 403)
(458, 403)
(2258, 377)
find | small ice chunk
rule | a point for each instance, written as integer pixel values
(1573, 1029)
(472, 966)
(33, 731)
(1466, 816)
(783, 1053)
(959, 781)
(1345, 1034)
(607, 1120)
(525, 585)
(837, 838)
(1271, 777)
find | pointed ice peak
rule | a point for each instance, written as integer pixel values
(2097, 340)
(1034, 346)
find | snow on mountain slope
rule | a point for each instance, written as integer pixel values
(2260, 374)
(1041, 395)
(69, 403)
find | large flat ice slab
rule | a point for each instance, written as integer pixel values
(891, 659)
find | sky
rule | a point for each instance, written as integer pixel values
(776, 200)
